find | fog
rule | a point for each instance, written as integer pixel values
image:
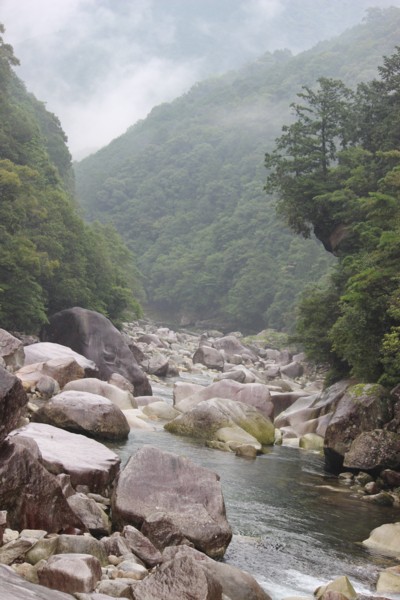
(100, 65)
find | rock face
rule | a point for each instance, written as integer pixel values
(364, 407)
(11, 350)
(12, 402)
(89, 414)
(91, 334)
(221, 419)
(161, 482)
(30, 494)
(14, 587)
(86, 461)
(373, 451)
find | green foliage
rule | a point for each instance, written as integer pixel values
(49, 259)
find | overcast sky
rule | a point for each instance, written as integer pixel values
(100, 65)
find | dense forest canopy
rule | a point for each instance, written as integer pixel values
(336, 171)
(49, 258)
(184, 187)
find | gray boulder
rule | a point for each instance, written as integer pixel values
(70, 573)
(11, 350)
(123, 399)
(81, 412)
(209, 357)
(373, 451)
(93, 335)
(231, 346)
(44, 351)
(13, 400)
(155, 481)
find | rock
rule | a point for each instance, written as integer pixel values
(236, 584)
(312, 441)
(13, 587)
(92, 516)
(160, 528)
(62, 370)
(173, 580)
(117, 588)
(15, 549)
(292, 370)
(70, 573)
(341, 585)
(115, 545)
(391, 478)
(123, 399)
(131, 569)
(190, 495)
(42, 550)
(121, 382)
(182, 390)
(27, 571)
(141, 546)
(13, 400)
(363, 478)
(209, 357)
(385, 539)
(381, 499)
(246, 451)
(157, 365)
(47, 387)
(31, 495)
(93, 335)
(231, 346)
(81, 544)
(374, 451)
(11, 350)
(42, 352)
(136, 420)
(82, 412)
(145, 400)
(389, 581)
(86, 461)
(3, 524)
(206, 418)
(372, 487)
(363, 407)
(160, 410)
(235, 437)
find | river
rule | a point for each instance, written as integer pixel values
(295, 526)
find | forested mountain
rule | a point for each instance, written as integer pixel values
(49, 259)
(185, 187)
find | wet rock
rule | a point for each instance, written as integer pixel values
(312, 441)
(141, 546)
(246, 451)
(31, 495)
(381, 499)
(390, 477)
(70, 573)
(13, 400)
(374, 451)
(174, 578)
(389, 581)
(160, 410)
(363, 478)
(11, 350)
(82, 412)
(14, 587)
(385, 539)
(123, 399)
(341, 585)
(93, 335)
(363, 407)
(183, 389)
(190, 495)
(86, 461)
(62, 370)
(209, 357)
(136, 420)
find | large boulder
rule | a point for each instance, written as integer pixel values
(86, 461)
(14, 587)
(62, 370)
(43, 351)
(231, 346)
(81, 412)
(93, 335)
(212, 419)
(70, 573)
(31, 495)
(364, 407)
(154, 481)
(209, 357)
(121, 398)
(385, 539)
(11, 350)
(13, 400)
(374, 451)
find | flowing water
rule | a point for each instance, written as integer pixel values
(295, 527)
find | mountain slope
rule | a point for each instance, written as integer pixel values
(184, 187)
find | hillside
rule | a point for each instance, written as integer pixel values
(184, 187)
(49, 258)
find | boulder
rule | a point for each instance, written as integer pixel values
(363, 407)
(160, 410)
(123, 399)
(32, 496)
(81, 544)
(70, 573)
(11, 350)
(389, 581)
(385, 539)
(92, 516)
(14, 587)
(231, 346)
(82, 412)
(87, 462)
(292, 370)
(93, 335)
(183, 389)
(121, 382)
(342, 585)
(157, 365)
(191, 496)
(312, 441)
(141, 546)
(391, 478)
(209, 357)
(136, 420)
(235, 584)
(13, 400)
(373, 451)
(62, 370)
(206, 418)
(45, 351)
(174, 578)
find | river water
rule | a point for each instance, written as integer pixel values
(295, 526)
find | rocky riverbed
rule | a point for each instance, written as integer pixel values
(76, 522)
